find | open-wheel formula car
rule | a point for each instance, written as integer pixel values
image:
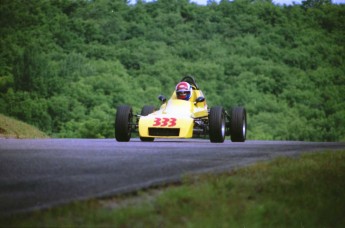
(178, 118)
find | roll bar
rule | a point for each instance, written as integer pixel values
(190, 80)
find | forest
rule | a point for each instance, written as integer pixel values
(65, 65)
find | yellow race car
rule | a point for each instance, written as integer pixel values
(178, 118)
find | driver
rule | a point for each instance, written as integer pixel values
(183, 91)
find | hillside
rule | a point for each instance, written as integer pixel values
(11, 128)
(66, 65)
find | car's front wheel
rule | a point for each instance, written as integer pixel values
(146, 110)
(123, 123)
(217, 124)
(238, 127)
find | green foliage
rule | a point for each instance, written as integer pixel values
(66, 65)
(315, 3)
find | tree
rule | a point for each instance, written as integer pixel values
(30, 71)
(315, 3)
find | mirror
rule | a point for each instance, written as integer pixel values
(162, 98)
(200, 99)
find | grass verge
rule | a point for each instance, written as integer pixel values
(11, 128)
(287, 192)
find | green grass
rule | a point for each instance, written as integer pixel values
(287, 192)
(11, 128)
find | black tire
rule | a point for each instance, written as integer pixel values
(123, 123)
(217, 124)
(238, 127)
(147, 109)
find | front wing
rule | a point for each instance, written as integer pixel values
(153, 126)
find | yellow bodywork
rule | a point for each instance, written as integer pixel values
(174, 119)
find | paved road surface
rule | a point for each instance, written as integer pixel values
(37, 174)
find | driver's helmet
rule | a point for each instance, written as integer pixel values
(183, 90)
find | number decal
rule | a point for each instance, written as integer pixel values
(164, 122)
(157, 122)
(172, 122)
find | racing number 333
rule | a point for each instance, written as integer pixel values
(164, 122)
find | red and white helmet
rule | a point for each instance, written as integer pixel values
(183, 90)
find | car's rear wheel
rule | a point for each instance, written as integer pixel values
(123, 123)
(146, 110)
(217, 124)
(238, 128)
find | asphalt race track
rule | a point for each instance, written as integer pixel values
(36, 174)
